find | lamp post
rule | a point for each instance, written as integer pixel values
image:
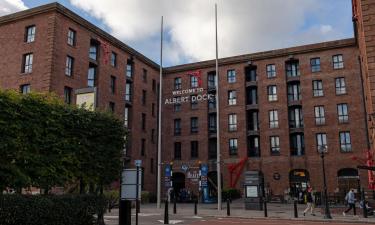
(322, 150)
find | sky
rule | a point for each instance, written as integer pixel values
(244, 26)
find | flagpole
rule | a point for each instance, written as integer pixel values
(218, 164)
(159, 116)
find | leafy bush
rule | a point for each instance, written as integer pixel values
(231, 193)
(51, 210)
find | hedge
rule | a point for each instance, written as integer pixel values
(51, 210)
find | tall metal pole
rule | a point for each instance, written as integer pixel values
(327, 214)
(159, 116)
(218, 166)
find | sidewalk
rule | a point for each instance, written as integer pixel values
(275, 211)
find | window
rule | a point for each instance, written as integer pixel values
(91, 77)
(274, 119)
(27, 63)
(253, 147)
(153, 109)
(25, 89)
(177, 105)
(233, 146)
(193, 81)
(129, 68)
(30, 34)
(71, 37)
(345, 143)
(342, 113)
(111, 107)
(144, 94)
(177, 83)
(231, 76)
(193, 102)
(232, 99)
(128, 92)
(212, 103)
(294, 92)
(321, 141)
(113, 84)
(317, 88)
(272, 93)
(292, 68)
(251, 95)
(93, 52)
(211, 80)
(340, 86)
(251, 74)
(212, 123)
(194, 124)
(153, 85)
(153, 135)
(143, 147)
(67, 95)
(177, 150)
(319, 115)
(271, 70)
(177, 127)
(126, 117)
(315, 64)
(151, 165)
(295, 117)
(275, 145)
(113, 59)
(194, 149)
(297, 144)
(69, 66)
(143, 121)
(232, 122)
(338, 62)
(144, 76)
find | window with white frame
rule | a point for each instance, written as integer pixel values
(27, 66)
(345, 142)
(342, 113)
(340, 86)
(272, 93)
(30, 33)
(321, 141)
(69, 66)
(275, 144)
(315, 64)
(232, 122)
(274, 119)
(319, 115)
(233, 146)
(318, 88)
(231, 76)
(193, 81)
(271, 70)
(232, 97)
(338, 62)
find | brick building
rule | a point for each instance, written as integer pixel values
(276, 107)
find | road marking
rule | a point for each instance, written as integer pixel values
(172, 221)
(147, 214)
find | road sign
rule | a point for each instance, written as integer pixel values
(129, 184)
(138, 162)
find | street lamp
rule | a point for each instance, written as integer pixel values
(322, 150)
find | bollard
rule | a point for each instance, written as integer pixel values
(265, 208)
(195, 207)
(295, 209)
(228, 207)
(166, 216)
(174, 206)
(125, 209)
(364, 203)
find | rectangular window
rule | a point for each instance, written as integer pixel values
(212, 123)
(153, 85)
(232, 98)
(177, 127)
(143, 121)
(144, 95)
(25, 89)
(338, 62)
(297, 144)
(315, 64)
(68, 95)
(275, 145)
(232, 122)
(272, 93)
(251, 74)
(153, 109)
(321, 141)
(91, 77)
(112, 86)
(340, 86)
(93, 51)
(177, 83)
(111, 107)
(211, 80)
(126, 117)
(345, 142)
(212, 103)
(319, 115)
(292, 69)
(294, 91)
(153, 135)
(231, 76)
(143, 147)
(194, 102)
(342, 113)
(194, 124)
(69, 66)
(271, 70)
(144, 76)
(129, 68)
(194, 149)
(233, 146)
(177, 150)
(128, 92)
(71, 37)
(274, 119)
(318, 88)
(193, 81)
(30, 34)
(152, 166)
(113, 59)
(177, 105)
(295, 117)
(27, 60)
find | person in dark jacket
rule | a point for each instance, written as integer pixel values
(309, 202)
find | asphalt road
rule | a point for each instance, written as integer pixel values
(234, 221)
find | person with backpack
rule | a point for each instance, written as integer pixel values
(350, 199)
(310, 202)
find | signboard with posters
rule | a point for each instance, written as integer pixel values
(86, 98)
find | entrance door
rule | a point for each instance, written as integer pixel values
(298, 180)
(178, 180)
(347, 179)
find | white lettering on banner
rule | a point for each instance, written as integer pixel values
(194, 98)
(188, 91)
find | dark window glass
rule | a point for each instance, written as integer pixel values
(144, 75)
(271, 70)
(128, 92)
(27, 66)
(315, 64)
(25, 88)
(177, 105)
(211, 80)
(297, 144)
(143, 121)
(292, 69)
(71, 37)
(177, 150)
(233, 147)
(68, 95)
(231, 76)
(30, 34)
(212, 123)
(113, 59)
(129, 68)
(274, 119)
(342, 113)
(144, 95)
(232, 122)
(69, 66)
(319, 115)
(194, 124)
(113, 84)
(91, 77)
(112, 107)
(338, 62)
(318, 88)
(177, 127)
(295, 117)
(275, 145)
(153, 85)
(272, 93)
(177, 83)
(193, 81)
(345, 142)
(93, 52)
(251, 74)
(294, 92)
(143, 147)
(340, 86)
(194, 149)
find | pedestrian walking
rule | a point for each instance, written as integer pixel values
(309, 202)
(350, 199)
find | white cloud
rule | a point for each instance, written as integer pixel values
(245, 26)
(11, 6)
